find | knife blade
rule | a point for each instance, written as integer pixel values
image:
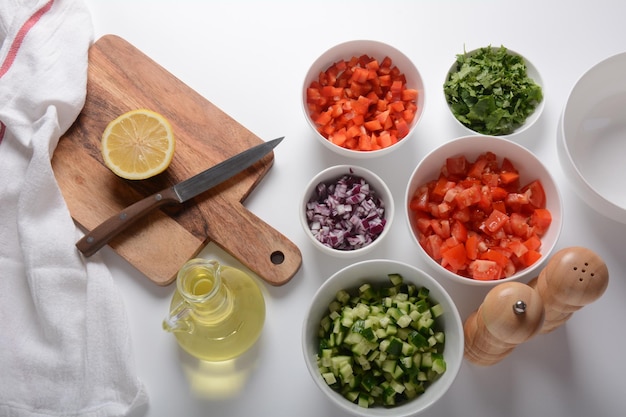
(177, 194)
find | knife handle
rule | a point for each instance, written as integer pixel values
(114, 225)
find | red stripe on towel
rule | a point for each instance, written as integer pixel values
(21, 34)
(15, 46)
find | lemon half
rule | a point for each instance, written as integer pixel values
(138, 144)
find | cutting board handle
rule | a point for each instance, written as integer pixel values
(258, 246)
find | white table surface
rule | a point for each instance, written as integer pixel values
(249, 59)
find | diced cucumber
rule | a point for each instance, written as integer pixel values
(406, 362)
(396, 279)
(439, 365)
(381, 345)
(364, 400)
(329, 377)
(366, 292)
(352, 395)
(404, 321)
(436, 310)
(423, 293)
(397, 387)
(343, 297)
(427, 360)
(395, 313)
(395, 347)
(389, 366)
(361, 311)
(407, 349)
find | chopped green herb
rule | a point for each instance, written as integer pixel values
(490, 91)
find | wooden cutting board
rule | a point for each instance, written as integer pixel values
(121, 78)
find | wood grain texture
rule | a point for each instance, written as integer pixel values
(495, 329)
(121, 78)
(573, 278)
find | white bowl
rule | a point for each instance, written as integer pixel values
(591, 137)
(379, 51)
(530, 168)
(375, 271)
(332, 174)
(532, 73)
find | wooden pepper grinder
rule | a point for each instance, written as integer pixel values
(573, 278)
(510, 314)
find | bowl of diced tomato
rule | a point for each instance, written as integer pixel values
(483, 210)
(363, 98)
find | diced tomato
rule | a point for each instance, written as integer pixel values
(420, 200)
(540, 220)
(530, 257)
(459, 231)
(497, 256)
(476, 220)
(496, 220)
(485, 270)
(533, 243)
(455, 256)
(457, 166)
(432, 245)
(517, 247)
(507, 177)
(507, 165)
(519, 225)
(499, 206)
(468, 197)
(423, 224)
(471, 246)
(536, 194)
(477, 168)
(441, 187)
(441, 228)
(498, 193)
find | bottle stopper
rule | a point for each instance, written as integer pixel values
(573, 278)
(510, 314)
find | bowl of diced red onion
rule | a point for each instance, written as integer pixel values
(346, 211)
(483, 210)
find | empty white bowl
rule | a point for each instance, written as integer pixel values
(591, 137)
(377, 50)
(375, 272)
(531, 72)
(530, 168)
(332, 174)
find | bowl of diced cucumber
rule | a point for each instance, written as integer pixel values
(382, 338)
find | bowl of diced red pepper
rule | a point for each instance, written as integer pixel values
(363, 98)
(483, 210)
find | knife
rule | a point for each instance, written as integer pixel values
(179, 193)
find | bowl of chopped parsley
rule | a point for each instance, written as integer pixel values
(494, 91)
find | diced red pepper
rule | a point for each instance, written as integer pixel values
(362, 92)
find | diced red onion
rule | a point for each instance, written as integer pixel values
(346, 214)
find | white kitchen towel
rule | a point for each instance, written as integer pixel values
(65, 345)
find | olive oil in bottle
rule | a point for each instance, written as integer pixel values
(217, 312)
